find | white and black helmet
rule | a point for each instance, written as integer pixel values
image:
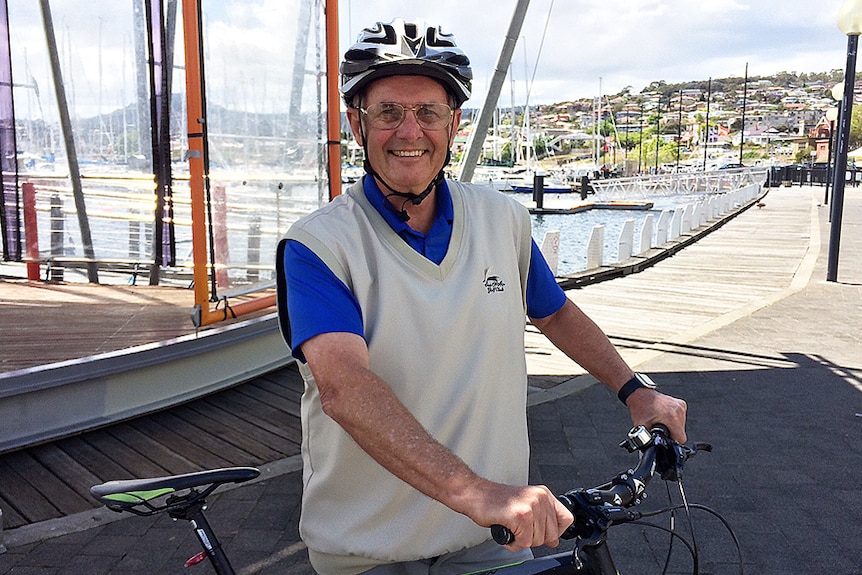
(406, 48)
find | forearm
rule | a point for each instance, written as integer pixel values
(367, 409)
(583, 341)
(576, 335)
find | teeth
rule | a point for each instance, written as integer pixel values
(407, 153)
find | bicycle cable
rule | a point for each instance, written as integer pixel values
(698, 507)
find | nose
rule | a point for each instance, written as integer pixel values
(409, 127)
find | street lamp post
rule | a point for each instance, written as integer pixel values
(850, 23)
(657, 134)
(831, 116)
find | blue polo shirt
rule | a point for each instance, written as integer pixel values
(319, 302)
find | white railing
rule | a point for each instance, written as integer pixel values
(653, 232)
(646, 187)
(671, 224)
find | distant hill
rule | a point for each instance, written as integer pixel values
(734, 83)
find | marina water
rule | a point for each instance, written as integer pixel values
(575, 228)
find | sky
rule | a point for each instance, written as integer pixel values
(567, 49)
(591, 46)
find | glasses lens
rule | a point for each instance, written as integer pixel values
(433, 116)
(390, 115)
(385, 116)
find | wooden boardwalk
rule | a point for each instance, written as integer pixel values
(45, 323)
(742, 266)
(51, 322)
(733, 270)
(251, 424)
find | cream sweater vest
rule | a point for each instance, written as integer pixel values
(449, 340)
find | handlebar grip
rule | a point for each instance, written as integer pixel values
(660, 428)
(502, 535)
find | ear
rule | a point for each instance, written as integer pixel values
(456, 121)
(353, 116)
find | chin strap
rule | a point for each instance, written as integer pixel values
(415, 199)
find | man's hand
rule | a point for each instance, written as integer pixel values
(649, 407)
(533, 514)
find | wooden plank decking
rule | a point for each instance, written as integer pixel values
(251, 424)
(51, 322)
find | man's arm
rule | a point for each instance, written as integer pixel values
(365, 406)
(583, 341)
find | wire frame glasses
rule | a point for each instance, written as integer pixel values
(390, 115)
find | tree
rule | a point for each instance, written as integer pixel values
(855, 138)
(803, 155)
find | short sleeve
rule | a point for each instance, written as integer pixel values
(317, 301)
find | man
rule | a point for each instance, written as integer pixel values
(406, 298)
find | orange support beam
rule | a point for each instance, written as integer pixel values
(196, 129)
(333, 100)
(198, 176)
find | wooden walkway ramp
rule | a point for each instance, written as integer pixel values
(251, 424)
(736, 269)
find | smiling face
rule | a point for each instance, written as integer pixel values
(406, 157)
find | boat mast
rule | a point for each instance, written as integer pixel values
(599, 125)
(333, 101)
(69, 138)
(706, 129)
(477, 139)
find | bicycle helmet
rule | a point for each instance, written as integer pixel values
(408, 48)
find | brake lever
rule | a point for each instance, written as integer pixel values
(671, 456)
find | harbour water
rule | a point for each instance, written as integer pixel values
(575, 228)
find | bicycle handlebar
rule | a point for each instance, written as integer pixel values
(607, 504)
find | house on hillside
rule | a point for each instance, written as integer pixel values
(820, 136)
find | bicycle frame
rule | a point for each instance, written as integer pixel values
(206, 537)
(597, 560)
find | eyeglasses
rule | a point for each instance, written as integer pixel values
(390, 115)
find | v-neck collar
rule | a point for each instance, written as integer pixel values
(382, 226)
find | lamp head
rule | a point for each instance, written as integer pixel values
(838, 91)
(850, 17)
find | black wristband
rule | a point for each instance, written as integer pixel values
(638, 381)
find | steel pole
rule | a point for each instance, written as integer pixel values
(840, 174)
(829, 159)
(69, 140)
(468, 166)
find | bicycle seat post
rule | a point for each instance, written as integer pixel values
(194, 514)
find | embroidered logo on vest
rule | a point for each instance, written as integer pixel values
(493, 283)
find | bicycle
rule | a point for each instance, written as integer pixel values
(181, 497)
(595, 510)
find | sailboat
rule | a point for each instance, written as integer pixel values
(55, 399)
